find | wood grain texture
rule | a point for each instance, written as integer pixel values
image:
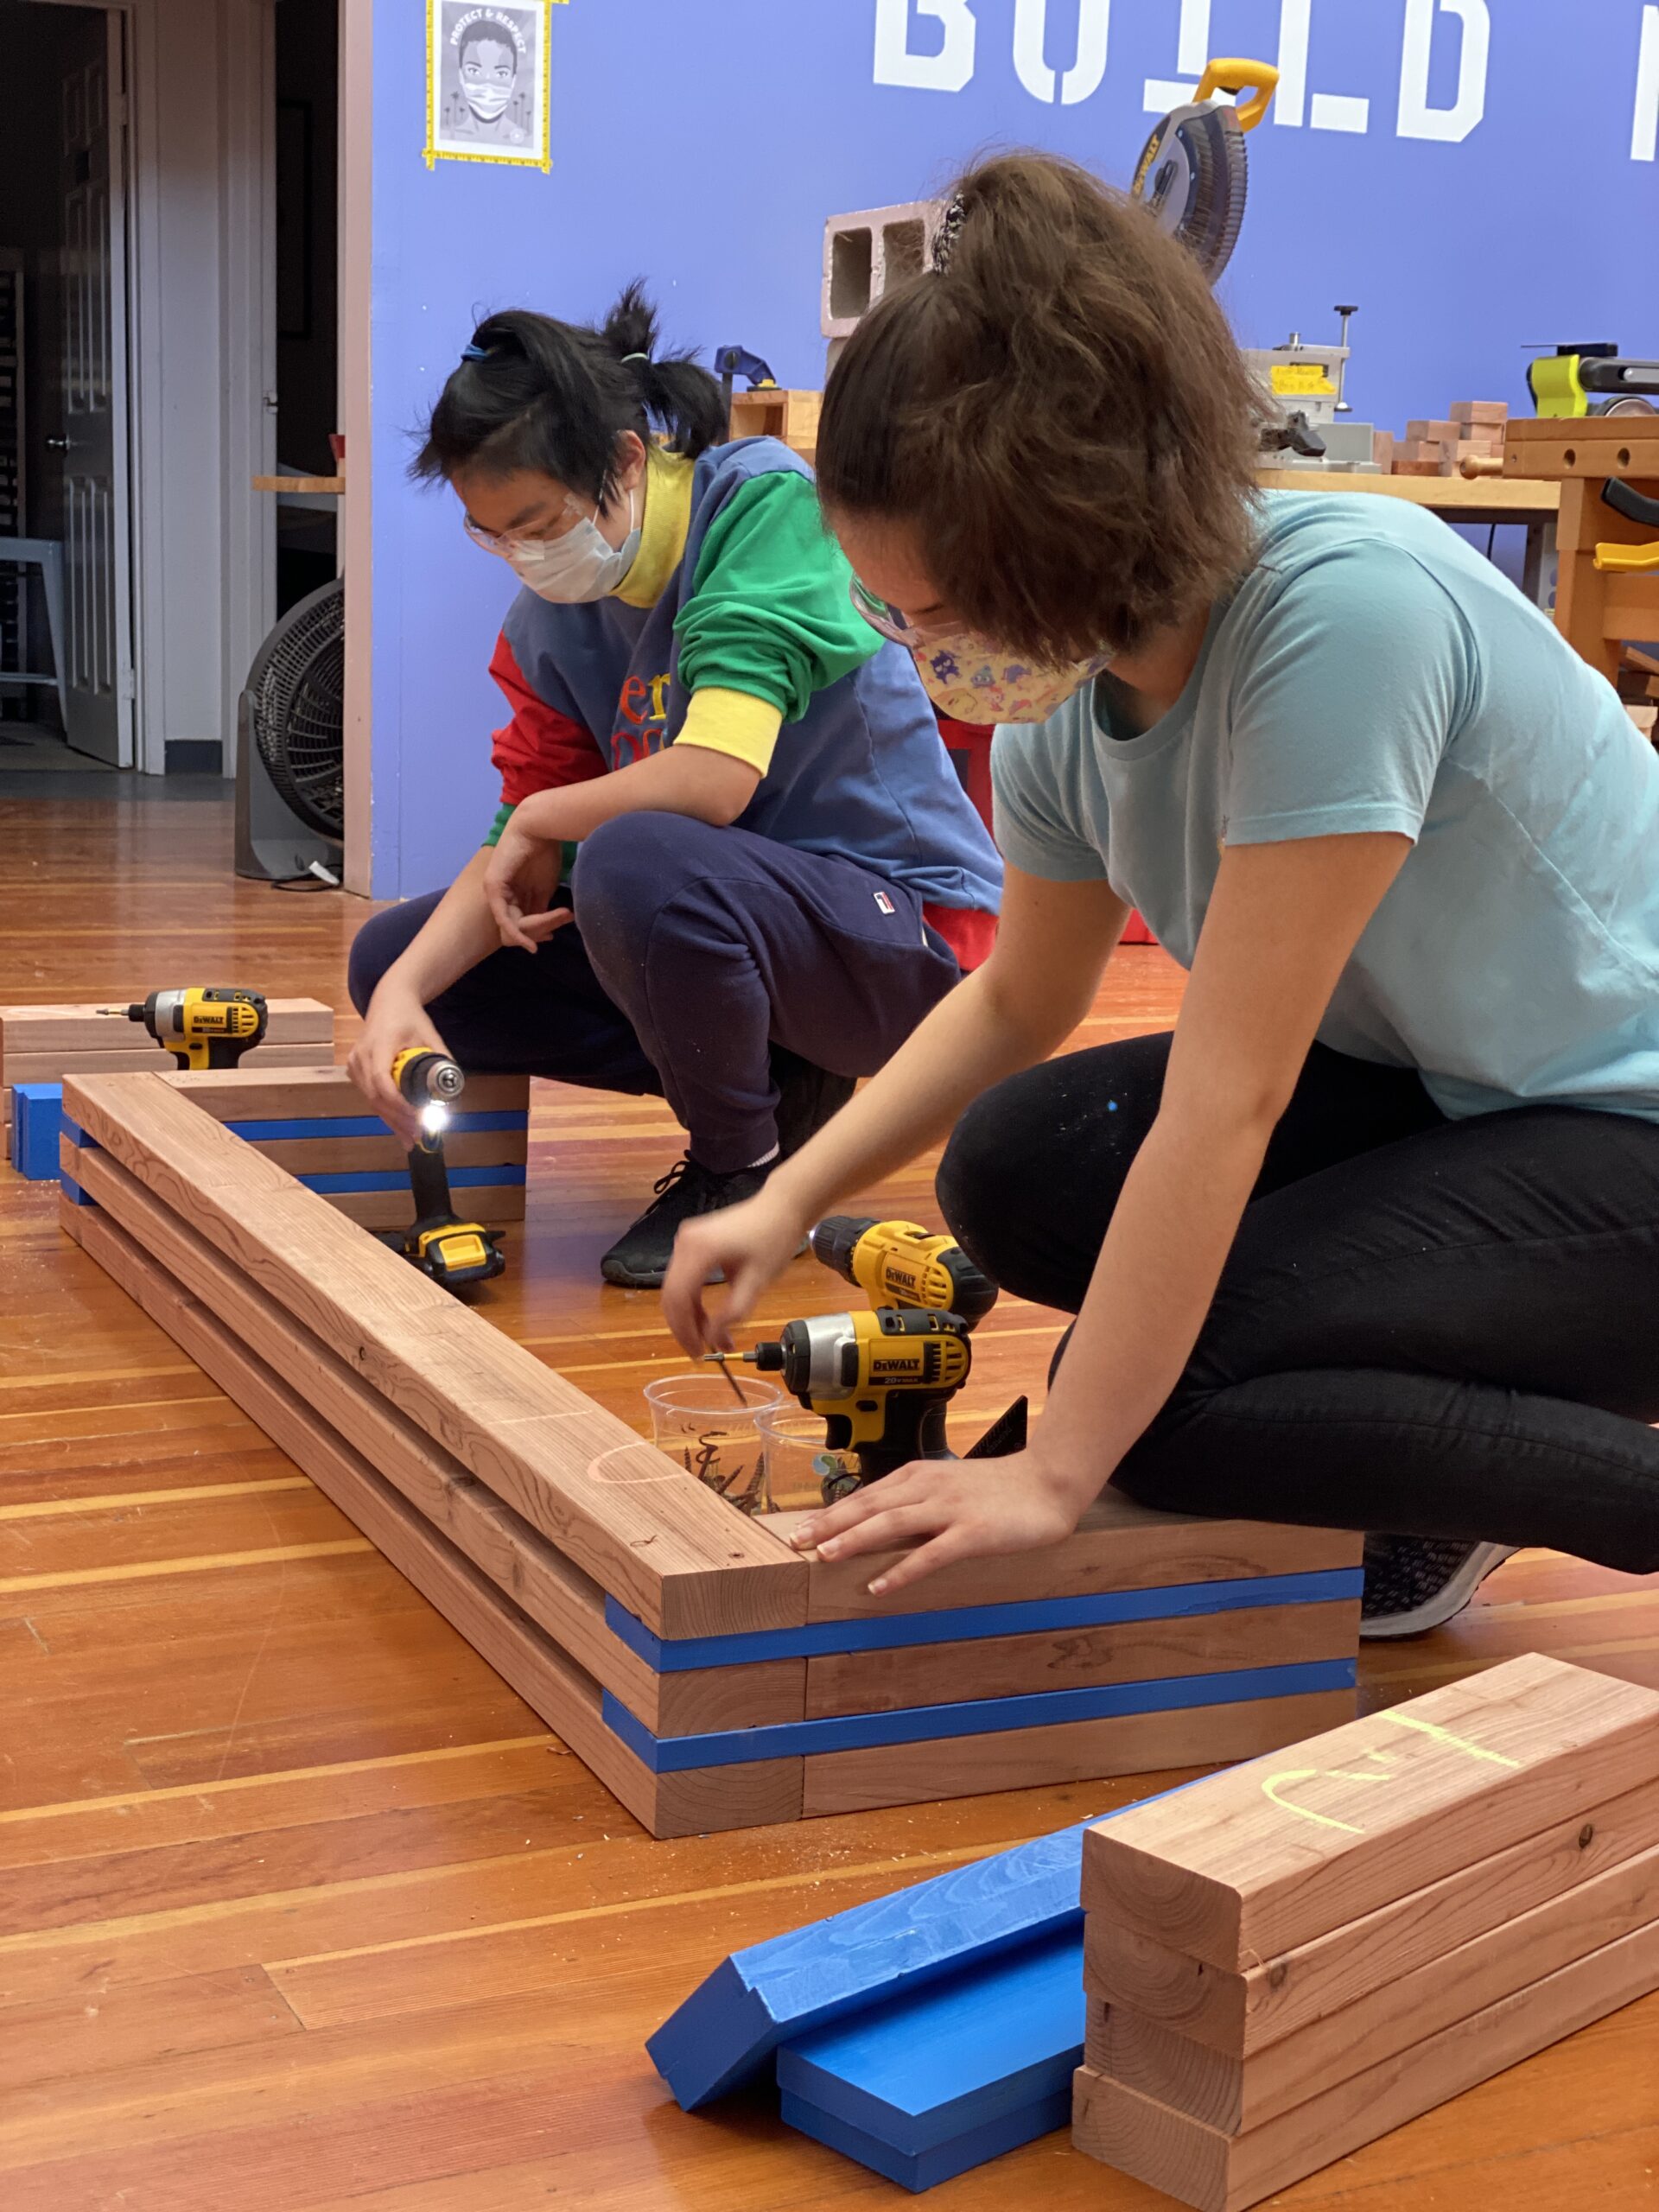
(1241, 2015)
(1262, 1858)
(1217, 2172)
(54, 1067)
(245, 1095)
(1118, 1546)
(1237, 2095)
(1072, 1750)
(664, 1545)
(67, 1032)
(1132, 1651)
(547, 1679)
(549, 1588)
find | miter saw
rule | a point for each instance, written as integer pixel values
(1192, 174)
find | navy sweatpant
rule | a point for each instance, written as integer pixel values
(694, 950)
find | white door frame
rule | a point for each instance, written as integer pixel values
(232, 581)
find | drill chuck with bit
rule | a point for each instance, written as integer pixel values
(881, 1380)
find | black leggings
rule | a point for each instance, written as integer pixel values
(1425, 1327)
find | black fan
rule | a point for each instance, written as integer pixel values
(295, 703)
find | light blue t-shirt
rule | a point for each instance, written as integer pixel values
(1373, 672)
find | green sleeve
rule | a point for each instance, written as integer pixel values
(503, 813)
(770, 612)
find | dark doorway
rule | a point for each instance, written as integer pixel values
(308, 57)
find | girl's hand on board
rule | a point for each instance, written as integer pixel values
(948, 1510)
(750, 1245)
(520, 881)
(395, 1018)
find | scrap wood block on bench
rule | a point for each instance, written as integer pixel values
(45, 1044)
(1289, 1960)
(712, 1677)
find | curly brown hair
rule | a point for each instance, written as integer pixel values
(1062, 417)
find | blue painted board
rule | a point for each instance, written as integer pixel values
(774, 1991)
(37, 1124)
(757, 1998)
(925, 2170)
(74, 1193)
(960, 1623)
(923, 2068)
(926, 1724)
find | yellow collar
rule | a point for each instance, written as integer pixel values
(663, 528)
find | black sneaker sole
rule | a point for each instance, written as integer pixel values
(625, 1278)
(1447, 1603)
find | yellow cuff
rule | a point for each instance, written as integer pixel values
(734, 722)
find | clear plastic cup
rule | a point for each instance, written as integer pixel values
(802, 1473)
(696, 1420)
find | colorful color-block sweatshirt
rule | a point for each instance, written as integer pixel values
(734, 631)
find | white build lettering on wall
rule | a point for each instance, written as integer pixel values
(934, 46)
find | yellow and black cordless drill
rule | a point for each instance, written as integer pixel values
(454, 1252)
(882, 1380)
(207, 1025)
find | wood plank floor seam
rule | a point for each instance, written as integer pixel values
(118, 1501)
(761, 1885)
(210, 1562)
(274, 1779)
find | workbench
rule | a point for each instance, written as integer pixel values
(1534, 502)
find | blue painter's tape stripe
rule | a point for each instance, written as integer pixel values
(924, 1724)
(396, 1178)
(73, 1192)
(965, 1623)
(370, 1125)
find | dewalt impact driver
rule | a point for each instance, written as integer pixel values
(454, 1252)
(209, 1026)
(881, 1381)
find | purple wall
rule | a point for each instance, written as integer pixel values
(700, 143)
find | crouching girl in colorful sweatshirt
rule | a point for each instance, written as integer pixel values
(778, 872)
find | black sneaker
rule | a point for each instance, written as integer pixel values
(638, 1259)
(807, 1097)
(1414, 1584)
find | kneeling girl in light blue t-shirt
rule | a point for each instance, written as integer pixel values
(1371, 1239)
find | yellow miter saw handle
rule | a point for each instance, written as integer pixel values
(1628, 560)
(1234, 77)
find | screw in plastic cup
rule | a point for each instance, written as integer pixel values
(696, 1420)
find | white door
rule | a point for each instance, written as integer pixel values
(84, 371)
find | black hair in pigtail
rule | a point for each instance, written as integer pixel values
(533, 393)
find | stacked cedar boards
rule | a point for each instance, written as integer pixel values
(45, 1044)
(1287, 1960)
(710, 1675)
(1474, 428)
(317, 1126)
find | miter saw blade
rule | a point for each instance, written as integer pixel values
(1191, 177)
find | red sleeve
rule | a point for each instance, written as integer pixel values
(540, 749)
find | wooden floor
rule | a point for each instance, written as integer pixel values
(301, 1908)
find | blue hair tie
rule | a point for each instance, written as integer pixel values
(475, 352)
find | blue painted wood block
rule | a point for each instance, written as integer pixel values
(921, 2170)
(943, 2077)
(757, 1998)
(36, 1123)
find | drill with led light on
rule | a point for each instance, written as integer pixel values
(454, 1252)
(205, 1025)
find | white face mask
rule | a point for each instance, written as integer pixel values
(579, 567)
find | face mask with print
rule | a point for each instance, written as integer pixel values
(577, 568)
(969, 680)
(972, 682)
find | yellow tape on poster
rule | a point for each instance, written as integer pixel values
(488, 76)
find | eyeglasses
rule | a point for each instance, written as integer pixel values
(505, 544)
(885, 619)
